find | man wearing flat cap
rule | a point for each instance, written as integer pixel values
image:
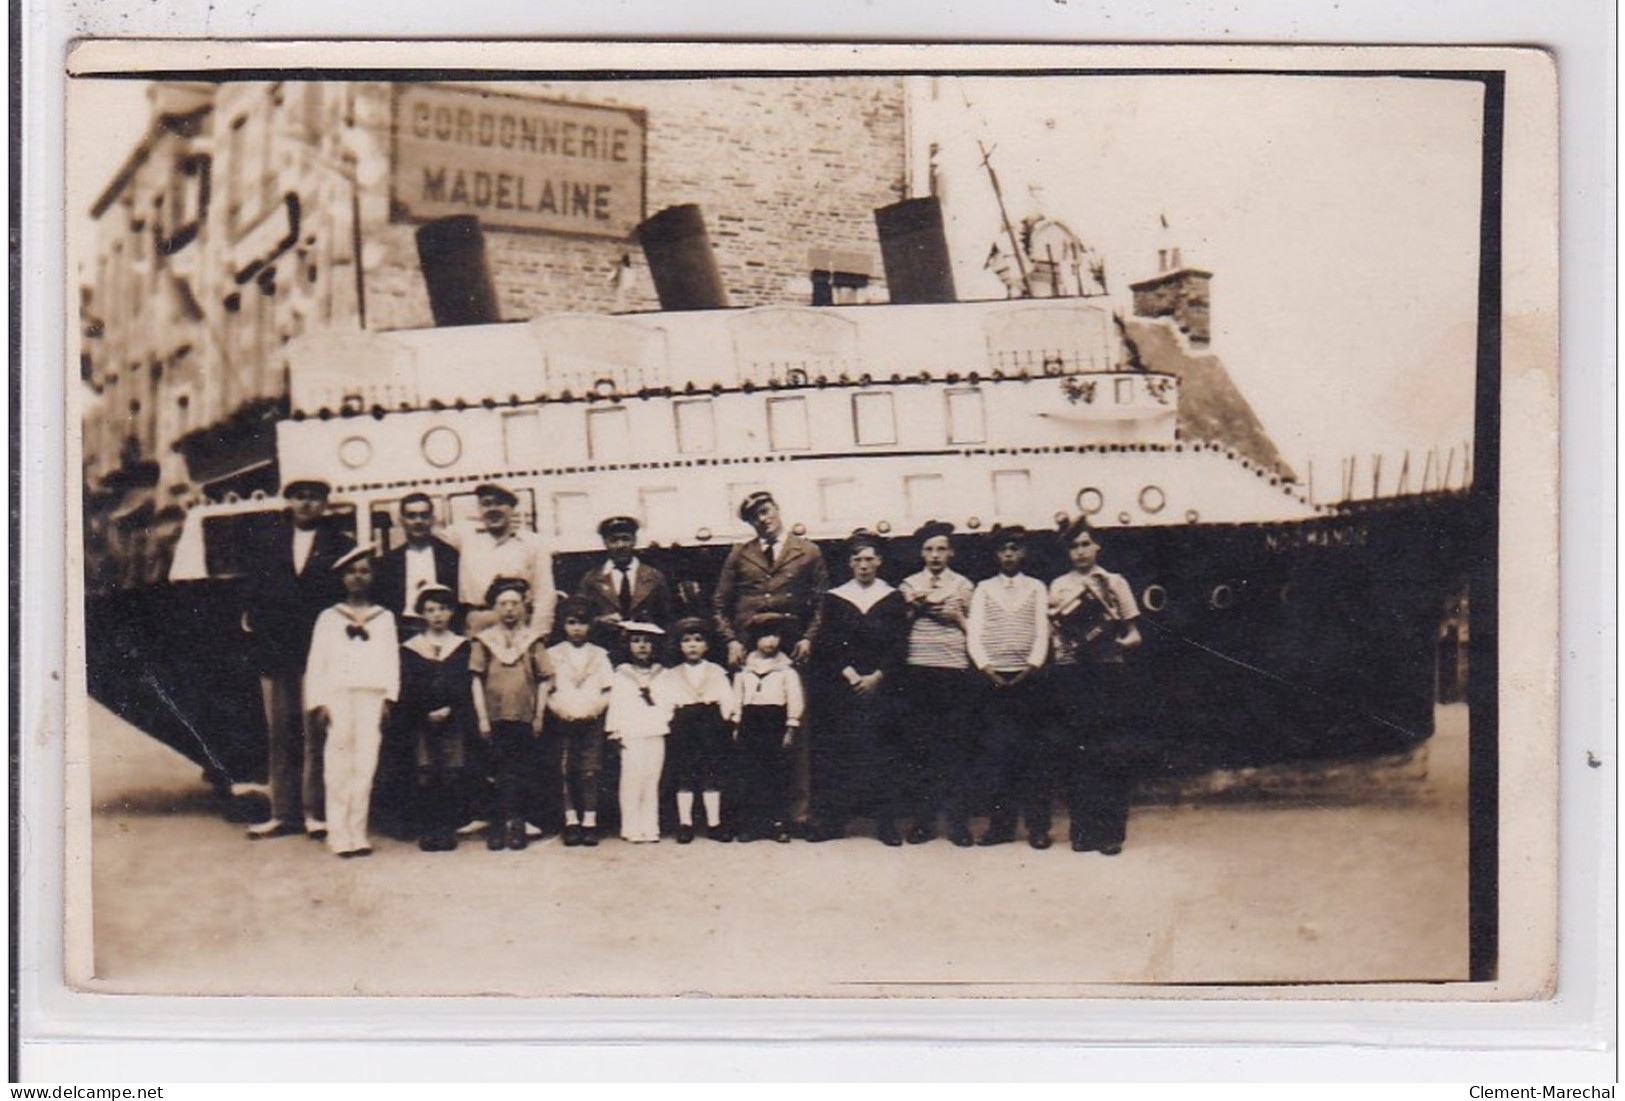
(503, 548)
(625, 588)
(777, 571)
(288, 581)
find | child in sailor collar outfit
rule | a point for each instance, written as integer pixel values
(512, 679)
(352, 678)
(639, 719)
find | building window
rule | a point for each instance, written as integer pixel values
(967, 418)
(236, 172)
(696, 427)
(1125, 391)
(609, 435)
(874, 419)
(1012, 492)
(787, 426)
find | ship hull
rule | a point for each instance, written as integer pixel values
(1297, 641)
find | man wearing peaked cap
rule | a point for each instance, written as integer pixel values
(776, 571)
(502, 547)
(624, 587)
(288, 581)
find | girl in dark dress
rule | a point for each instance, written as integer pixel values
(862, 644)
(436, 712)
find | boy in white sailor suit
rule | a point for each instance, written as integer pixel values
(352, 679)
(639, 719)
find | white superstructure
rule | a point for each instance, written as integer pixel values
(879, 417)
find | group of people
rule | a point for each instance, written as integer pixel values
(791, 708)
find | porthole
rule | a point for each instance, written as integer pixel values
(355, 452)
(442, 446)
(1153, 499)
(1090, 500)
(1191, 516)
(1124, 518)
(1222, 597)
(1155, 598)
(703, 535)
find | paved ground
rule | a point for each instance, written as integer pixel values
(1202, 894)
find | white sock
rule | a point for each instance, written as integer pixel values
(571, 818)
(713, 808)
(589, 818)
(685, 808)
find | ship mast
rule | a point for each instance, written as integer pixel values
(1004, 214)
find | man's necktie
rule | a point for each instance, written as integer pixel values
(626, 594)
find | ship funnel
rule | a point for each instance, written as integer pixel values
(451, 252)
(914, 249)
(680, 259)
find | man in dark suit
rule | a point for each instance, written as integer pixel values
(778, 571)
(422, 562)
(624, 589)
(289, 581)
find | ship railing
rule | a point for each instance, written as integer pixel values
(1376, 477)
(1048, 361)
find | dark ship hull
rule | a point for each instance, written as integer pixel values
(1264, 643)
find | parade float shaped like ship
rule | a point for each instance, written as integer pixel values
(1276, 629)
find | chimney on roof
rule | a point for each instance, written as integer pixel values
(1176, 292)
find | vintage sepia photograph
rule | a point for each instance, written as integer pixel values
(892, 532)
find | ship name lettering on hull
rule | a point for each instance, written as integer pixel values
(1340, 535)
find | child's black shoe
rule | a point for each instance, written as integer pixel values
(685, 834)
(589, 836)
(496, 838)
(572, 835)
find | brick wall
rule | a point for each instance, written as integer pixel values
(778, 166)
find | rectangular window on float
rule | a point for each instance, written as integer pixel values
(1012, 493)
(573, 516)
(874, 419)
(663, 515)
(840, 498)
(609, 435)
(696, 426)
(787, 425)
(927, 496)
(967, 417)
(522, 438)
(1125, 391)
